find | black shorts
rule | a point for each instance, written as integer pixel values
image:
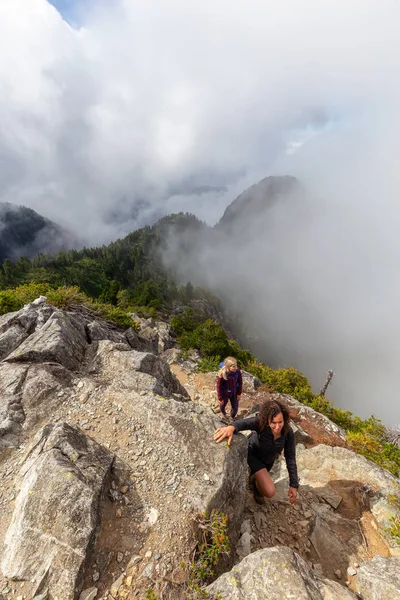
(256, 464)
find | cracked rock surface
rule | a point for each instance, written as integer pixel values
(56, 512)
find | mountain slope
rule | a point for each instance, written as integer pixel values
(256, 201)
(23, 232)
(169, 252)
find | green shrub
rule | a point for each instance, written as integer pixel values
(109, 293)
(384, 454)
(244, 357)
(283, 381)
(14, 299)
(124, 298)
(209, 338)
(146, 312)
(126, 303)
(186, 321)
(148, 292)
(194, 330)
(9, 302)
(343, 418)
(213, 543)
(394, 527)
(372, 426)
(64, 298)
(209, 363)
(115, 315)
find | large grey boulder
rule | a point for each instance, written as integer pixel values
(143, 385)
(56, 511)
(379, 579)
(150, 335)
(250, 382)
(336, 541)
(62, 339)
(322, 464)
(11, 339)
(26, 318)
(28, 394)
(17, 326)
(166, 336)
(137, 342)
(136, 371)
(46, 388)
(219, 475)
(12, 414)
(276, 574)
(99, 330)
(153, 336)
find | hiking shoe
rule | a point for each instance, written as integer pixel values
(224, 419)
(259, 498)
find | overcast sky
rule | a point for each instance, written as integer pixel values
(170, 105)
(115, 113)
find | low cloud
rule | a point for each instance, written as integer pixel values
(170, 107)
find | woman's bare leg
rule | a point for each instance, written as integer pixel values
(265, 485)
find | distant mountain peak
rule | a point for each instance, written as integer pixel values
(257, 199)
(24, 232)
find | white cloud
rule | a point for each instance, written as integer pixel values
(146, 93)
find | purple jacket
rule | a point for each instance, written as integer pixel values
(231, 386)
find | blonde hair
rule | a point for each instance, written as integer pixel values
(228, 362)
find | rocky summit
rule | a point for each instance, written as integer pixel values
(109, 472)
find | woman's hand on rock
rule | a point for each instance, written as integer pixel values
(223, 433)
(292, 495)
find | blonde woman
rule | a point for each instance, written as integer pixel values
(229, 386)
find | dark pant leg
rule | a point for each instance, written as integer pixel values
(222, 406)
(235, 405)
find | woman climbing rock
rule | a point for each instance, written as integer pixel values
(271, 434)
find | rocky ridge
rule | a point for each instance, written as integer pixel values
(107, 459)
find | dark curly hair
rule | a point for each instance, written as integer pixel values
(269, 410)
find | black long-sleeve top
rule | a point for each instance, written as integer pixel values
(266, 448)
